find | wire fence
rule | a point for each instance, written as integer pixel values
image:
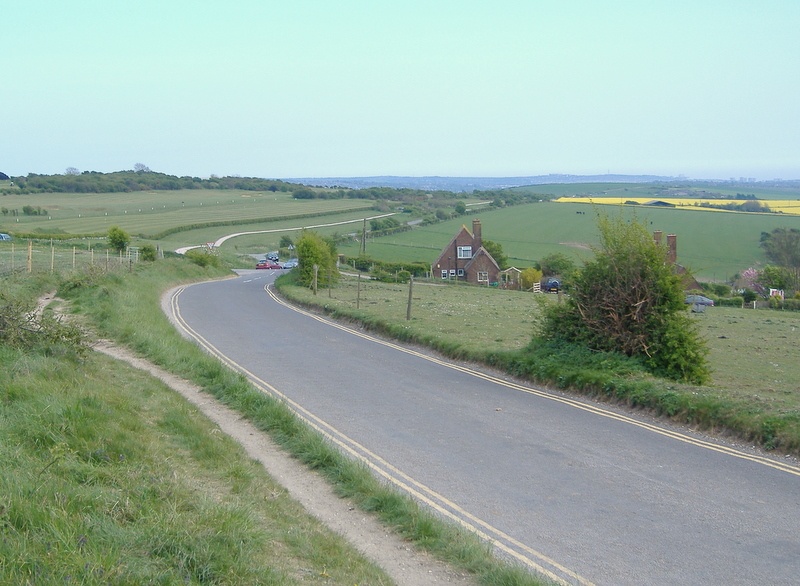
(39, 257)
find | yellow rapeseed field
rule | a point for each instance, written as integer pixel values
(786, 206)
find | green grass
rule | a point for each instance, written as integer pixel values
(714, 245)
(126, 307)
(753, 353)
(110, 477)
(153, 212)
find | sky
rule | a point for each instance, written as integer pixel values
(707, 89)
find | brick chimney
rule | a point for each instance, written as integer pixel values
(477, 239)
(657, 237)
(672, 248)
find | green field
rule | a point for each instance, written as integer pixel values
(664, 190)
(153, 212)
(714, 245)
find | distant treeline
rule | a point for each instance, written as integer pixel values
(127, 181)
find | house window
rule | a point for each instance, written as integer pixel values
(464, 252)
(444, 273)
(483, 277)
(452, 273)
(460, 272)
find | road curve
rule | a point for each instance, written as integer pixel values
(581, 492)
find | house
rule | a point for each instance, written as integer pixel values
(465, 259)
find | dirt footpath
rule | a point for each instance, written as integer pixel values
(405, 565)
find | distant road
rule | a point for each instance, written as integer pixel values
(580, 491)
(217, 243)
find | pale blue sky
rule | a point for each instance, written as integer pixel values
(303, 88)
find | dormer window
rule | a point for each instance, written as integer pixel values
(464, 252)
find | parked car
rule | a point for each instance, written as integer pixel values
(699, 300)
(4, 236)
(273, 256)
(290, 264)
(267, 264)
(552, 285)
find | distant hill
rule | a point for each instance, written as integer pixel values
(469, 184)
(4, 177)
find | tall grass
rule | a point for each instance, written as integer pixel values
(111, 478)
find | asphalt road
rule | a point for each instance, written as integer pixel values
(582, 492)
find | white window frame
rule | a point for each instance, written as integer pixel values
(464, 251)
(483, 276)
(452, 273)
(460, 272)
(444, 273)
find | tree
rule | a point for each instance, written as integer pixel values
(141, 168)
(286, 242)
(556, 264)
(529, 277)
(775, 277)
(72, 171)
(117, 238)
(461, 208)
(312, 249)
(782, 247)
(496, 250)
(629, 299)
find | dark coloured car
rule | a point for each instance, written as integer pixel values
(552, 286)
(699, 300)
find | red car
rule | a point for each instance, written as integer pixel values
(267, 264)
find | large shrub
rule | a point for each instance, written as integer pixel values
(314, 250)
(629, 299)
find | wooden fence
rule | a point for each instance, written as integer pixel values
(40, 257)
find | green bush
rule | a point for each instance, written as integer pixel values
(730, 301)
(366, 264)
(628, 299)
(203, 258)
(784, 304)
(148, 252)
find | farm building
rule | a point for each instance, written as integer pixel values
(465, 259)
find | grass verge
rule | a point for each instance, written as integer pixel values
(109, 477)
(126, 308)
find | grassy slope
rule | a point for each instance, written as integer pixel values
(115, 478)
(110, 477)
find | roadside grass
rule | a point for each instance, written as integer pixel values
(111, 477)
(754, 393)
(126, 308)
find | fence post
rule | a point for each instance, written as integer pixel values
(410, 289)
